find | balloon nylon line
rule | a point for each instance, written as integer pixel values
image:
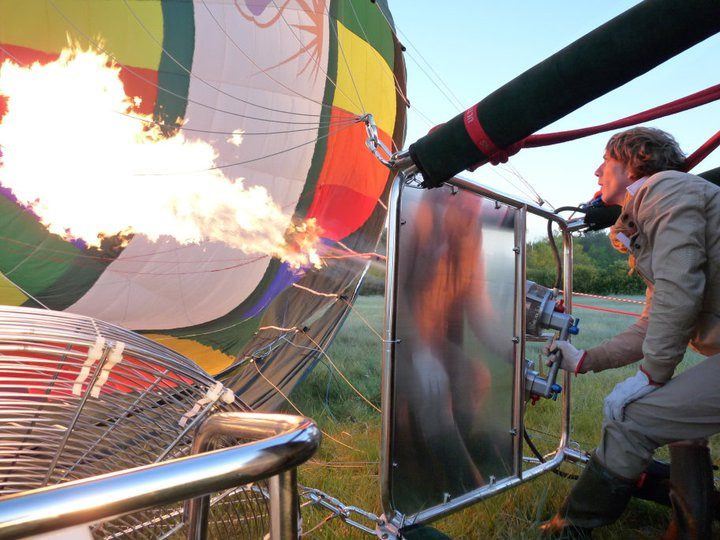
(341, 121)
(156, 85)
(19, 288)
(297, 410)
(343, 464)
(317, 62)
(378, 60)
(364, 256)
(192, 75)
(368, 254)
(496, 171)
(324, 521)
(192, 273)
(314, 127)
(262, 70)
(227, 165)
(293, 329)
(316, 293)
(11, 55)
(347, 64)
(539, 199)
(342, 375)
(129, 258)
(210, 332)
(319, 348)
(413, 108)
(354, 310)
(457, 104)
(612, 298)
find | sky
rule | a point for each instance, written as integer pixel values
(474, 47)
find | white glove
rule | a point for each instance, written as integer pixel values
(431, 373)
(570, 357)
(626, 392)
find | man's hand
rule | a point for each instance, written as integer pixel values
(571, 357)
(626, 392)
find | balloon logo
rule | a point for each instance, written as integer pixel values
(256, 7)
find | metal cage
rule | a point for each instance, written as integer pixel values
(80, 397)
(454, 363)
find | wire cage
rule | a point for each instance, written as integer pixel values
(80, 397)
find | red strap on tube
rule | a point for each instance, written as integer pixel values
(484, 143)
(477, 132)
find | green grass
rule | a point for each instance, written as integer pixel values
(347, 467)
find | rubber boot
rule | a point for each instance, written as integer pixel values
(598, 498)
(654, 483)
(691, 491)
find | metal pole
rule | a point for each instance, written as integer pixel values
(519, 339)
(261, 426)
(284, 506)
(197, 512)
(567, 297)
(389, 341)
(123, 492)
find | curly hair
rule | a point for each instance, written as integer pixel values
(646, 151)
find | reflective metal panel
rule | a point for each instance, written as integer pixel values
(452, 364)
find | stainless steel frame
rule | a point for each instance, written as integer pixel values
(519, 338)
(563, 451)
(287, 441)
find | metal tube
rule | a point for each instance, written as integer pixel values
(473, 497)
(284, 505)
(225, 424)
(196, 516)
(474, 186)
(567, 297)
(99, 498)
(389, 344)
(519, 337)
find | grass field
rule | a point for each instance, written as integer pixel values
(347, 464)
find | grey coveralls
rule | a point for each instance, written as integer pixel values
(672, 226)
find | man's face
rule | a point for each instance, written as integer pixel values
(614, 180)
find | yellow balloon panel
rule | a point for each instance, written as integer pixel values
(209, 359)
(10, 295)
(365, 83)
(47, 26)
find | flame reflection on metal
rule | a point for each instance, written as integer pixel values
(454, 363)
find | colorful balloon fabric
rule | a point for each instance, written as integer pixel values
(294, 75)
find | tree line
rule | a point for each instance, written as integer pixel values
(598, 267)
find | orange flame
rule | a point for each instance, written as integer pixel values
(74, 151)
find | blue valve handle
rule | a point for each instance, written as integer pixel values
(574, 330)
